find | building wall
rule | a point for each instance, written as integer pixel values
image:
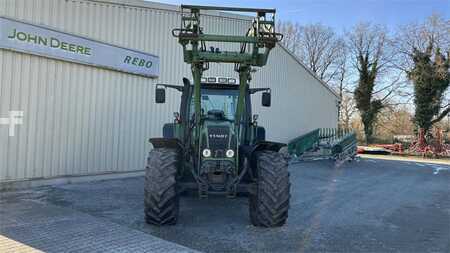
(85, 120)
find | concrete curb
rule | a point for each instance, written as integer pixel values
(405, 159)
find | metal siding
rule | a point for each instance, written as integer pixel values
(299, 102)
(85, 120)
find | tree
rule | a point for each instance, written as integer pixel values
(423, 48)
(394, 120)
(292, 34)
(431, 78)
(347, 111)
(346, 107)
(371, 54)
(434, 31)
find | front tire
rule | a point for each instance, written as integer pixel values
(160, 194)
(269, 205)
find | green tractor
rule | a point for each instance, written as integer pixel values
(214, 145)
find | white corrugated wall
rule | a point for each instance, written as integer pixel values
(85, 120)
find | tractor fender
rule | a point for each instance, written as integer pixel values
(172, 143)
(249, 151)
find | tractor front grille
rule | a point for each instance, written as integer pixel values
(218, 138)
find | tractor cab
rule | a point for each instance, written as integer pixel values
(219, 99)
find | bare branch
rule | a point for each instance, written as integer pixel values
(317, 46)
(441, 116)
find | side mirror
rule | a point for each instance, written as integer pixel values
(160, 95)
(266, 99)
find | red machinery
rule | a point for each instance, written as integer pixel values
(396, 148)
(434, 147)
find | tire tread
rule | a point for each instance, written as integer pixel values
(160, 194)
(269, 206)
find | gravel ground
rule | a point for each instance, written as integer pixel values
(364, 206)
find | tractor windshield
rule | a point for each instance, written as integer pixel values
(218, 103)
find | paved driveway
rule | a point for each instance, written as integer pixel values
(366, 206)
(29, 225)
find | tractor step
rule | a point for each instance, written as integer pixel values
(203, 190)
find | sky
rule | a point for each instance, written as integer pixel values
(340, 14)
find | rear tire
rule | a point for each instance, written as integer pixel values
(269, 205)
(160, 193)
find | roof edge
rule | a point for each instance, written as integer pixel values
(168, 7)
(295, 57)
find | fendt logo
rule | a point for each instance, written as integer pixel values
(15, 118)
(218, 136)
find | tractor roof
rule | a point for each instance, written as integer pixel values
(219, 86)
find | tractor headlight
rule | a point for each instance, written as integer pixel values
(229, 153)
(206, 152)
